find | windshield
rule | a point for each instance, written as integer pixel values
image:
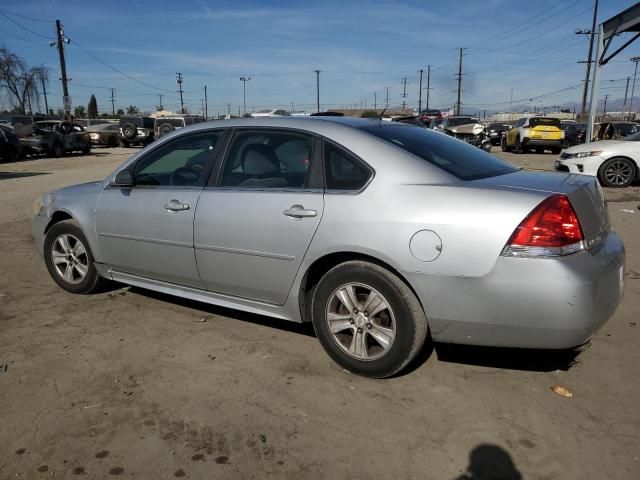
(453, 156)
(454, 122)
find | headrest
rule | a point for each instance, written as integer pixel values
(259, 159)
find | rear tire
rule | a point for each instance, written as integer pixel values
(124, 143)
(87, 149)
(503, 145)
(69, 259)
(367, 319)
(617, 172)
(556, 150)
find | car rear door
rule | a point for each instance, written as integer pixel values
(147, 230)
(256, 219)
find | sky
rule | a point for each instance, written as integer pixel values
(360, 48)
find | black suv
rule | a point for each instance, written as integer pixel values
(136, 130)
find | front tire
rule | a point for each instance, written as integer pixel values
(367, 319)
(617, 172)
(69, 259)
(57, 150)
(86, 150)
(503, 145)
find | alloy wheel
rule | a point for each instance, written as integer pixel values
(70, 259)
(360, 321)
(619, 172)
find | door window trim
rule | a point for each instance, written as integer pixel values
(316, 172)
(372, 172)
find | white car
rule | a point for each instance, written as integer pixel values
(616, 163)
(271, 113)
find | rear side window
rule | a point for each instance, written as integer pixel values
(342, 170)
(461, 160)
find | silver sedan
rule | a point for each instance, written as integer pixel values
(379, 233)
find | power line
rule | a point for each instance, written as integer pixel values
(20, 38)
(133, 79)
(23, 27)
(27, 18)
(508, 33)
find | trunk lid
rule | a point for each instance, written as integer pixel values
(583, 191)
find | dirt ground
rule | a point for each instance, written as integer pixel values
(135, 384)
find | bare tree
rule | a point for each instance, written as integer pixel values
(19, 83)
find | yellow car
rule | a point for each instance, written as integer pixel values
(534, 133)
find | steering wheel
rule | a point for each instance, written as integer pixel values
(184, 176)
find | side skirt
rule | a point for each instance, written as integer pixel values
(200, 295)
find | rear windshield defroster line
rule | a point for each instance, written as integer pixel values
(461, 160)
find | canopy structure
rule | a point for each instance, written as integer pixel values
(627, 21)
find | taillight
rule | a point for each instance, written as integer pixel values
(552, 229)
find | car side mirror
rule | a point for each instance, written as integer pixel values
(124, 178)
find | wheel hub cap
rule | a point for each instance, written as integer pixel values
(360, 321)
(69, 258)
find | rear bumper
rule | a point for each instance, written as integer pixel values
(552, 303)
(540, 142)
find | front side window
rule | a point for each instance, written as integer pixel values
(182, 162)
(276, 159)
(342, 170)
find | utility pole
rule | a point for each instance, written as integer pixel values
(386, 103)
(160, 100)
(420, 93)
(428, 84)
(317, 90)
(113, 101)
(244, 81)
(511, 104)
(375, 100)
(180, 80)
(291, 107)
(626, 91)
(206, 105)
(604, 112)
(633, 86)
(404, 92)
(63, 70)
(44, 91)
(459, 75)
(589, 61)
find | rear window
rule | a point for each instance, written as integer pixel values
(461, 160)
(627, 128)
(544, 121)
(176, 122)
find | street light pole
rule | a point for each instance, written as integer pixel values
(244, 92)
(317, 90)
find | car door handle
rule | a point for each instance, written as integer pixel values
(176, 206)
(298, 211)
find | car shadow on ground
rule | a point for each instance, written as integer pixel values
(207, 309)
(9, 175)
(492, 357)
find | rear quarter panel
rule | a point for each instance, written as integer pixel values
(473, 224)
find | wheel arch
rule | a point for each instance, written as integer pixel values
(57, 217)
(323, 264)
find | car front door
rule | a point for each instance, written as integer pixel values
(147, 229)
(256, 220)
